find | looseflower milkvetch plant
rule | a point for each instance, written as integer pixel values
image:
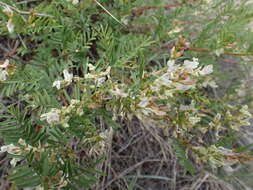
(71, 67)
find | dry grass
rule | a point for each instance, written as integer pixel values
(141, 157)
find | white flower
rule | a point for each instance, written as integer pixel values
(3, 75)
(52, 117)
(26, 146)
(164, 80)
(229, 170)
(22, 142)
(194, 120)
(14, 161)
(245, 111)
(191, 64)
(182, 87)
(11, 149)
(206, 70)
(224, 151)
(217, 118)
(68, 77)
(241, 92)
(107, 72)
(144, 102)
(10, 26)
(125, 20)
(4, 148)
(5, 64)
(171, 65)
(57, 84)
(91, 67)
(210, 83)
(65, 125)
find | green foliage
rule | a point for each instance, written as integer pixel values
(183, 160)
(77, 66)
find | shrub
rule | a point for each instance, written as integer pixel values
(69, 66)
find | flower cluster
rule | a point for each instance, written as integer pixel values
(216, 156)
(182, 77)
(177, 78)
(20, 150)
(53, 117)
(63, 115)
(241, 118)
(98, 77)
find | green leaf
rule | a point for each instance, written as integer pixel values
(183, 160)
